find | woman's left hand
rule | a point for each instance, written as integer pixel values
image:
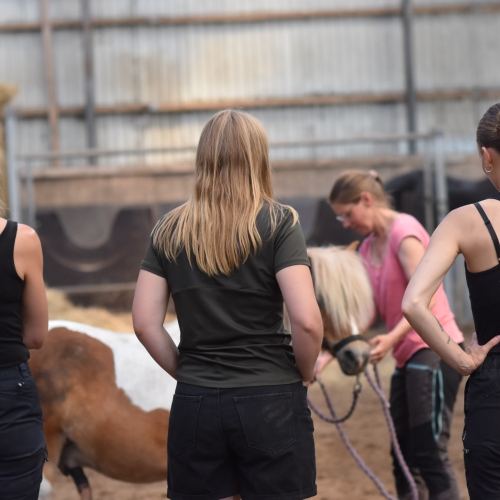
(478, 352)
(381, 345)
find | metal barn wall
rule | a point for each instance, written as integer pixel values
(157, 66)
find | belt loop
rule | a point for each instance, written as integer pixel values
(25, 370)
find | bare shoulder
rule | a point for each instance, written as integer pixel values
(490, 205)
(27, 241)
(462, 218)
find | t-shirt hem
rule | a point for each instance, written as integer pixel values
(227, 384)
(292, 262)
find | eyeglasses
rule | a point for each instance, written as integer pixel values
(343, 218)
(347, 216)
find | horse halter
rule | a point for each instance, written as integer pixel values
(335, 348)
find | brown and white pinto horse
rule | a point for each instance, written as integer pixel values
(105, 405)
(106, 402)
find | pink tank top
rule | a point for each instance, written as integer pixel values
(389, 284)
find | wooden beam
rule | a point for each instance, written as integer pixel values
(53, 111)
(278, 102)
(254, 17)
(88, 56)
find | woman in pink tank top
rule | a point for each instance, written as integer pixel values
(423, 388)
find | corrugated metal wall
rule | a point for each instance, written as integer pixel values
(156, 65)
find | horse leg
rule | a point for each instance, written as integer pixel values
(81, 482)
(54, 440)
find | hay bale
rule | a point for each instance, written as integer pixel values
(60, 307)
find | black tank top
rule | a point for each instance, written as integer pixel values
(484, 292)
(12, 348)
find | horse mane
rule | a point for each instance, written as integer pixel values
(342, 288)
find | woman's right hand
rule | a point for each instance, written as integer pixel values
(477, 353)
(296, 285)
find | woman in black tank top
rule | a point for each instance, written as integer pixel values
(23, 326)
(472, 231)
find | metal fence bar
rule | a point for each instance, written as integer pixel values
(428, 194)
(30, 195)
(86, 153)
(440, 178)
(442, 207)
(12, 173)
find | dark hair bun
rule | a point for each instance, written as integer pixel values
(488, 130)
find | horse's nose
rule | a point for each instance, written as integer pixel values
(354, 357)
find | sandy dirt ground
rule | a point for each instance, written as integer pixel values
(338, 476)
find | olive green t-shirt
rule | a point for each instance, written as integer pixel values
(232, 332)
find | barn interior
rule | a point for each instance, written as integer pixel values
(103, 102)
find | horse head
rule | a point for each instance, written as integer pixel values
(345, 297)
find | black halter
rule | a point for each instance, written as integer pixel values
(335, 348)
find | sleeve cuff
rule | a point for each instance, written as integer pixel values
(152, 269)
(292, 262)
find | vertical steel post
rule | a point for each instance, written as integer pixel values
(89, 78)
(30, 195)
(442, 206)
(440, 177)
(411, 97)
(428, 191)
(12, 170)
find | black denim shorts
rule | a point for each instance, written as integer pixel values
(22, 443)
(481, 436)
(256, 441)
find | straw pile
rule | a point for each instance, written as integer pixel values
(61, 308)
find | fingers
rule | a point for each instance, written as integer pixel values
(473, 340)
(375, 340)
(492, 343)
(376, 355)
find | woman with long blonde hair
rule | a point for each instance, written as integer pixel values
(229, 257)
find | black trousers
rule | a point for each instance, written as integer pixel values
(257, 441)
(22, 443)
(423, 394)
(481, 435)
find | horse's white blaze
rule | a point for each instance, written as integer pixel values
(142, 380)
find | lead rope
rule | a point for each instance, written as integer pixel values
(376, 385)
(356, 390)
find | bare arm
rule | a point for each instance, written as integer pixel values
(410, 253)
(440, 255)
(148, 314)
(305, 319)
(28, 259)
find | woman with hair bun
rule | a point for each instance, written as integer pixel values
(239, 422)
(472, 231)
(423, 389)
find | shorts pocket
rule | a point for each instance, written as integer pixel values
(182, 424)
(267, 421)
